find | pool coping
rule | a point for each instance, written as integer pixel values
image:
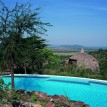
(96, 81)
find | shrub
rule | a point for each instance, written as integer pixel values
(3, 91)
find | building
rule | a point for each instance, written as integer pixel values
(83, 60)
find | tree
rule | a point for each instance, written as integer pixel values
(16, 25)
(101, 56)
(30, 50)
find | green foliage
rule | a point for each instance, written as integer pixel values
(48, 55)
(14, 96)
(43, 59)
(33, 98)
(3, 91)
(4, 86)
(6, 95)
(20, 41)
(73, 70)
(101, 56)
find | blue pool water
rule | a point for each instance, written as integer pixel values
(91, 92)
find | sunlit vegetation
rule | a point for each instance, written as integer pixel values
(59, 68)
(101, 56)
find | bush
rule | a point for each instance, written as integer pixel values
(33, 98)
(3, 91)
(6, 95)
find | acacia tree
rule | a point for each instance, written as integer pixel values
(16, 24)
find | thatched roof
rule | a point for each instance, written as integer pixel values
(85, 60)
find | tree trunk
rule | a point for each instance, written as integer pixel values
(25, 69)
(12, 78)
(12, 70)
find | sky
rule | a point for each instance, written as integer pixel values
(82, 22)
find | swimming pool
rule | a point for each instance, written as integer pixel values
(90, 91)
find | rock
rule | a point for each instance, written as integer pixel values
(6, 105)
(24, 97)
(50, 104)
(48, 101)
(41, 95)
(63, 98)
(49, 98)
(78, 104)
(56, 98)
(60, 98)
(29, 93)
(21, 105)
(25, 104)
(20, 91)
(36, 105)
(63, 101)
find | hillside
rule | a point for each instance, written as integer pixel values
(73, 48)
